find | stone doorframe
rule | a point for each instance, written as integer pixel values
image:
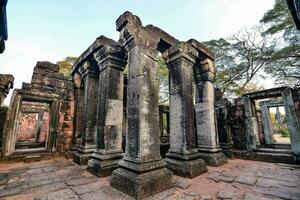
(11, 125)
(288, 103)
(267, 127)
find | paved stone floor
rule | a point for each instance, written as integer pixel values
(62, 179)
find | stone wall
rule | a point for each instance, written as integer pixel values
(3, 114)
(50, 94)
(46, 78)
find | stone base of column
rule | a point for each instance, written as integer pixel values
(102, 165)
(213, 157)
(141, 183)
(297, 159)
(71, 152)
(82, 155)
(226, 148)
(184, 165)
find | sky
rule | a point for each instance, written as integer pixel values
(50, 30)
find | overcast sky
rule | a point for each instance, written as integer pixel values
(50, 30)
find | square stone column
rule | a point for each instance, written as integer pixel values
(142, 171)
(292, 122)
(251, 124)
(6, 83)
(183, 158)
(78, 112)
(111, 61)
(207, 138)
(266, 121)
(88, 142)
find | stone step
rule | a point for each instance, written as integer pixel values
(274, 157)
(272, 150)
(281, 146)
(32, 158)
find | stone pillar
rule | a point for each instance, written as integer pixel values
(78, 112)
(111, 61)
(208, 144)
(142, 171)
(183, 158)
(88, 143)
(292, 122)
(266, 122)
(6, 83)
(251, 124)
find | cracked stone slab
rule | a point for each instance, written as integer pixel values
(269, 183)
(81, 181)
(182, 183)
(95, 196)
(230, 194)
(65, 194)
(247, 180)
(87, 188)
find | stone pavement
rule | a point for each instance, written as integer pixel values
(62, 179)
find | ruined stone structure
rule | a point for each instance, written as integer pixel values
(251, 129)
(103, 113)
(6, 83)
(40, 116)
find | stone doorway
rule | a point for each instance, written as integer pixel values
(33, 126)
(279, 125)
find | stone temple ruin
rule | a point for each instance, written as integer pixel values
(112, 122)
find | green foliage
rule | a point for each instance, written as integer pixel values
(239, 59)
(163, 75)
(65, 65)
(284, 131)
(285, 65)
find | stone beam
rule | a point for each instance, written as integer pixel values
(268, 93)
(183, 158)
(111, 61)
(89, 53)
(132, 32)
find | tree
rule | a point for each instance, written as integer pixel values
(285, 65)
(163, 75)
(239, 58)
(65, 65)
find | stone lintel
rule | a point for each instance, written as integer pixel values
(88, 70)
(89, 53)
(202, 49)
(133, 33)
(181, 51)
(111, 56)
